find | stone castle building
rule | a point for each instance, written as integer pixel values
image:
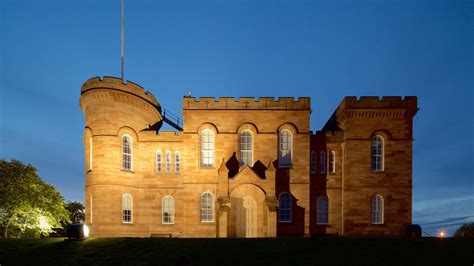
(244, 168)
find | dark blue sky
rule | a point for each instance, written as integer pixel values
(322, 49)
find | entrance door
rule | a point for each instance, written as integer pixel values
(247, 217)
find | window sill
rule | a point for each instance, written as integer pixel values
(326, 225)
(127, 223)
(208, 222)
(377, 224)
(167, 223)
(285, 222)
(127, 171)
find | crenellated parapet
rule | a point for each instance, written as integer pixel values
(242, 103)
(117, 84)
(376, 107)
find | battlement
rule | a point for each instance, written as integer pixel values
(242, 103)
(366, 102)
(117, 84)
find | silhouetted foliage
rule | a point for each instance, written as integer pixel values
(465, 231)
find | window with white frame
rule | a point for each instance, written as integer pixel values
(376, 209)
(90, 153)
(313, 162)
(322, 213)
(158, 161)
(177, 162)
(126, 153)
(332, 162)
(207, 148)
(246, 148)
(167, 210)
(377, 160)
(285, 148)
(285, 207)
(207, 207)
(127, 208)
(322, 162)
(168, 162)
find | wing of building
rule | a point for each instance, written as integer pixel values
(244, 168)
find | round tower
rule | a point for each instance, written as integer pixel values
(113, 111)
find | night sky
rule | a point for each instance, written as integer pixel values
(321, 49)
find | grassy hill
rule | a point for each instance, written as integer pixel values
(288, 251)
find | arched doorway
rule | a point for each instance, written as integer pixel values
(246, 217)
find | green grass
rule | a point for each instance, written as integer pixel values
(287, 251)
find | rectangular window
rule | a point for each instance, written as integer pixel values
(313, 162)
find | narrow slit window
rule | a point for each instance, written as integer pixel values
(177, 162)
(168, 162)
(158, 161)
(323, 161)
(313, 162)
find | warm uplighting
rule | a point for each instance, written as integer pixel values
(85, 230)
(43, 223)
(442, 233)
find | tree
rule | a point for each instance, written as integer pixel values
(465, 231)
(28, 206)
(76, 212)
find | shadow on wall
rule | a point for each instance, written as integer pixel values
(296, 226)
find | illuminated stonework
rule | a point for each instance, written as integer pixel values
(199, 183)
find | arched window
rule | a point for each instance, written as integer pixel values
(90, 153)
(168, 162)
(167, 212)
(377, 209)
(313, 162)
(286, 146)
(207, 148)
(127, 208)
(377, 161)
(177, 162)
(158, 161)
(322, 213)
(332, 162)
(127, 153)
(246, 148)
(285, 210)
(322, 158)
(207, 207)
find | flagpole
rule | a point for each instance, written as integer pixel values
(123, 29)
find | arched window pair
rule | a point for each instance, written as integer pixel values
(377, 209)
(177, 162)
(377, 151)
(323, 162)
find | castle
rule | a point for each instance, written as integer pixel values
(244, 168)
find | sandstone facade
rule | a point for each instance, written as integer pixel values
(186, 184)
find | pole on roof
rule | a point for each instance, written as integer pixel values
(123, 29)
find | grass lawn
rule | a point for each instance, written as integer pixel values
(287, 251)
